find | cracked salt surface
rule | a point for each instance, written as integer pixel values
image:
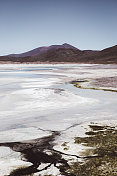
(35, 96)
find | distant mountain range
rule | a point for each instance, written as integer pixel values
(64, 53)
(41, 50)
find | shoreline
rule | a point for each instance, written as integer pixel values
(54, 63)
(7, 62)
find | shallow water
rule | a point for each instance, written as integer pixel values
(40, 96)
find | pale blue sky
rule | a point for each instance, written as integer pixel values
(28, 24)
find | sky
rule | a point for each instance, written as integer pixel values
(85, 24)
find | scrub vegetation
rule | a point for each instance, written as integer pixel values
(79, 84)
(101, 159)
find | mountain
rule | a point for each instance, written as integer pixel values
(41, 50)
(105, 56)
(65, 53)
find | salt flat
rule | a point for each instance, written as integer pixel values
(34, 98)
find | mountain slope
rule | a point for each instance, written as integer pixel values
(63, 55)
(41, 50)
(108, 55)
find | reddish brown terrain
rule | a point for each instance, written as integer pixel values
(64, 53)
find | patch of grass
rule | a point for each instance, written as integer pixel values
(96, 127)
(95, 167)
(90, 133)
(78, 83)
(66, 148)
(103, 139)
(64, 144)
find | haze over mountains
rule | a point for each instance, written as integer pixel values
(64, 53)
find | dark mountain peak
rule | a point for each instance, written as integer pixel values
(41, 50)
(66, 45)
